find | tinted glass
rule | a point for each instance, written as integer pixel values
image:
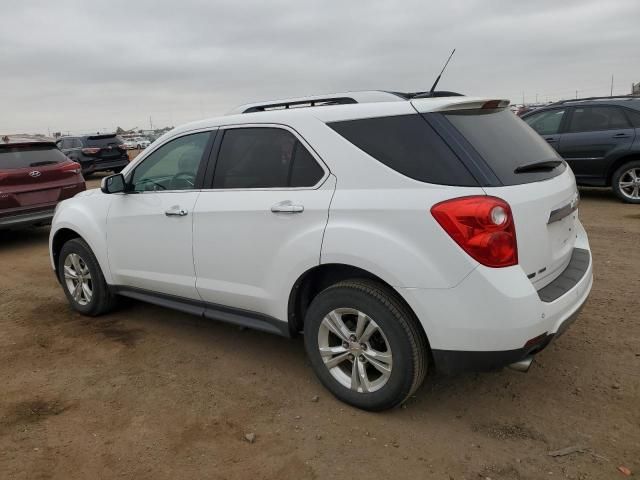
(264, 158)
(505, 142)
(102, 141)
(305, 171)
(29, 157)
(546, 123)
(592, 119)
(634, 117)
(408, 145)
(174, 166)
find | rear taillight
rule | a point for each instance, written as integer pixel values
(482, 226)
(71, 167)
(90, 150)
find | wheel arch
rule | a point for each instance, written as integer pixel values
(319, 277)
(59, 238)
(618, 163)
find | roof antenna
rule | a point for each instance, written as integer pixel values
(433, 87)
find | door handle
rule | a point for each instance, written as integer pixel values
(550, 140)
(175, 211)
(287, 207)
(621, 135)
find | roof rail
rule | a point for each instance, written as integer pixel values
(300, 103)
(614, 97)
(344, 98)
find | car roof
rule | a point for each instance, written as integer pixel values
(386, 104)
(625, 101)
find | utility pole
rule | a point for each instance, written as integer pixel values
(536, 98)
(150, 123)
(611, 93)
(576, 94)
(523, 98)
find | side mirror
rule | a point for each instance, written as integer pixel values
(113, 184)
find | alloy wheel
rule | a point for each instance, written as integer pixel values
(355, 350)
(77, 278)
(629, 183)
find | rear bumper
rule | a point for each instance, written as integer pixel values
(495, 317)
(91, 166)
(455, 361)
(25, 219)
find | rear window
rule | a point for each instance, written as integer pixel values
(505, 143)
(408, 145)
(12, 158)
(102, 141)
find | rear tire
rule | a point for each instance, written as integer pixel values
(364, 345)
(623, 184)
(82, 280)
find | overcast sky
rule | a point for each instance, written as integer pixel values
(80, 66)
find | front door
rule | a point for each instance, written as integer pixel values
(261, 224)
(149, 228)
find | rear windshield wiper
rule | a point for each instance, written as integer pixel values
(536, 166)
(40, 164)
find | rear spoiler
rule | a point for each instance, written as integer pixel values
(100, 137)
(449, 104)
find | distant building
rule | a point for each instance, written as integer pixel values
(635, 88)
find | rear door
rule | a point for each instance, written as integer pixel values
(261, 223)
(595, 135)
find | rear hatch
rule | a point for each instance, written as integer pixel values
(35, 175)
(522, 169)
(105, 147)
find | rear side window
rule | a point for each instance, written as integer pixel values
(408, 145)
(634, 117)
(29, 157)
(505, 143)
(593, 119)
(264, 158)
(102, 141)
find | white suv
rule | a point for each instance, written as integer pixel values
(398, 233)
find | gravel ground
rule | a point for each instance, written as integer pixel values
(151, 393)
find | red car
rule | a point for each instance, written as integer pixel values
(34, 176)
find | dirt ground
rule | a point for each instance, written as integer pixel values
(151, 393)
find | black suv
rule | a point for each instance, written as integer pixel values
(599, 138)
(95, 153)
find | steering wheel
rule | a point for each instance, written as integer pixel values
(182, 179)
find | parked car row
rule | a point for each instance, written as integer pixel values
(139, 143)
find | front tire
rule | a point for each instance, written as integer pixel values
(625, 182)
(364, 345)
(82, 280)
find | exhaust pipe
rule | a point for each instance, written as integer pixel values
(522, 365)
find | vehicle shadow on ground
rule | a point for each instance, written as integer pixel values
(603, 194)
(26, 237)
(241, 346)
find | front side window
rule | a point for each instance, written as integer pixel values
(593, 119)
(264, 158)
(173, 166)
(546, 123)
